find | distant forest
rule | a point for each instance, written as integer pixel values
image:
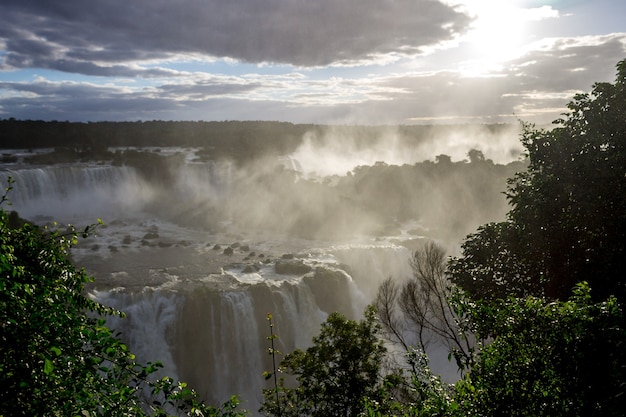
(237, 140)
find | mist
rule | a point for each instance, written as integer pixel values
(210, 226)
(326, 183)
(337, 150)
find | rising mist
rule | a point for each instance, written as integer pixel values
(209, 226)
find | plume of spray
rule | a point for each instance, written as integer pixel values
(337, 150)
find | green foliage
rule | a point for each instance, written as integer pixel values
(336, 374)
(568, 217)
(423, 395)
(273, 352)
(559, 358)
(493, 264)
(57, 357)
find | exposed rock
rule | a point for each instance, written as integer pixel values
(228, 251)
(249, 269)
(292, 268)
(331, 289)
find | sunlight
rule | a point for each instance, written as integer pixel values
(499, 32)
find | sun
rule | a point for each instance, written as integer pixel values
(500, 30)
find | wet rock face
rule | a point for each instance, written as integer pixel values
(291, 268)
(329, 288)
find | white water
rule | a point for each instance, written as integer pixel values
(76, 192)
(198, 311)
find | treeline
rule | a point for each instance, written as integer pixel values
(446, 200)
(238, 140)
(228, 138)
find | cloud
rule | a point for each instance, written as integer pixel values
(101, 38)
(540, 13)
(535, 87)
(572, 63)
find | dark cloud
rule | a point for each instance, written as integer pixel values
(534, 87)
(30, 47)
(204, 90)
(80, 102)
(76, 101)
(65, 35)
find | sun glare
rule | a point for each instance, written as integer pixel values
(499, 31)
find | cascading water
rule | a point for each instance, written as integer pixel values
(76, 192)
(194, 299)
(212, 332)
(205, 180)
(150, 321)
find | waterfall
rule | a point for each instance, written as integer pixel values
(204, 180)
(149, 324)
(216, 339)
(370, 265)
(67, 192)
(185, 306)
(79, 193)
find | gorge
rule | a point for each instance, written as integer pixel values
(197, 251)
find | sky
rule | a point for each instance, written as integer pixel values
(373, 62)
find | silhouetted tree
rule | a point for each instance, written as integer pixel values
(417, 312)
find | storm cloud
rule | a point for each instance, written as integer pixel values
(79, 36)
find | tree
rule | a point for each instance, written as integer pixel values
(476, 156)
(546, 358)
(336, 374)
(57, 358)
(494, 266)
(567, 221)
(418, 313)
(443, 159)
(424, 395)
